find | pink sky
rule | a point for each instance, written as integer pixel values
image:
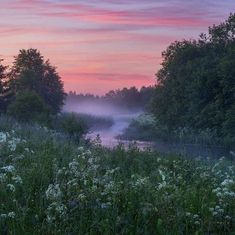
(101, 45)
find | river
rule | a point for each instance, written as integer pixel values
(121, 121)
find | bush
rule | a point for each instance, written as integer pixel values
(29, 106)
(70, 124)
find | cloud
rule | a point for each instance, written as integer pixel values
(104, 44)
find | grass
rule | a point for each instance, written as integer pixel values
(50, 185)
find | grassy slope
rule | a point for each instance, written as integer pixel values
(49, 185)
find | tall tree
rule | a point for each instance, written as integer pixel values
(196, 84)
(31, 72)
(3, 87)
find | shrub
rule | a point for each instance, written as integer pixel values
(29, 106)
(71, 125)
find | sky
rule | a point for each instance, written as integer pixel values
(99, 45)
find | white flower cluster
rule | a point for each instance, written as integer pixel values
(10, 215)
(8, 175)
(55, 211)
(225, 189)
(217, 210)
(138, 181)
(3, 137)
(53, 192)
(10, 140)
(193, 218)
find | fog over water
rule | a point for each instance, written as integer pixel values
(121, 118)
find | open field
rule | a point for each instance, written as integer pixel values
(50, 185)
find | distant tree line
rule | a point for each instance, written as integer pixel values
(196, 84)
(31, 88)
(129, 98)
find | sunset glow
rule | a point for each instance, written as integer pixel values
(98, 45)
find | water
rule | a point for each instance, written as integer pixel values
(122, 118)
(109, 139)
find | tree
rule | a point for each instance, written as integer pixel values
(29, 106)
(30, 72)
(4, 92)
(196, 84)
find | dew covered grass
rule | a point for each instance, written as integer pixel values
(51, 185)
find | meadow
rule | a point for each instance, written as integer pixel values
(49, 184)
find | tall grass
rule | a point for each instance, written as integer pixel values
(50, 185)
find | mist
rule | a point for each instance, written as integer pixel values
(121, 118)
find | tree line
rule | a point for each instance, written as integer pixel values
(127, 98)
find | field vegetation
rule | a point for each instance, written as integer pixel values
(51, 185)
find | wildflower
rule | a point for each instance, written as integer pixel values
(17, 179)
(80, 149)
(81, 196)
(12, 144)
(227, 217)
(11, 187)
(214, 213)
(53, 192)
(232, 153)
(3, 216)
(56, 210)
(188, 214)
(162, 175)
(227, 182)
(3, 137)
(73, 166)
(11, 215)
(105, 205)
(9, 168)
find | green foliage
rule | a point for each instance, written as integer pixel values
(29, 106)
(196, 85)
(50, 185)
(3, 88)
(146, 127)
(71, 124)
(143, 127)
(31, 72)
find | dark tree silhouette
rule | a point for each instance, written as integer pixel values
(196, 84)
(30, 72)
(4, 92)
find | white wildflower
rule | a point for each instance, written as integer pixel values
(11, 187)
(3, 216)
(9, 168)
(53, 192)
(162, 175)
(3, 137)
(11, 215)
(227, 182)
(82, 196)
(17, 179)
